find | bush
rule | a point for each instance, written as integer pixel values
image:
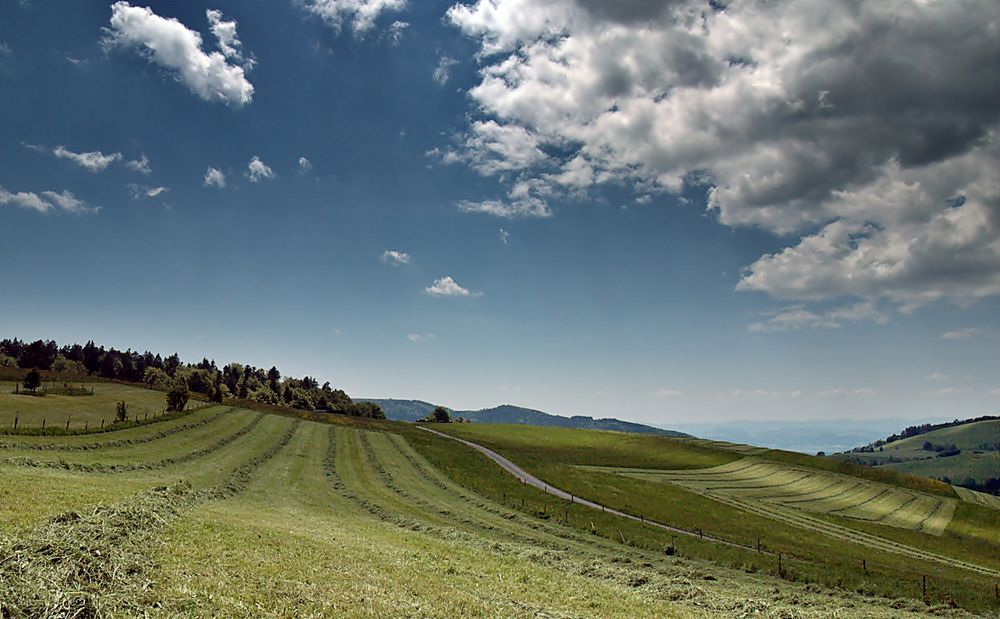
(121, 412)
(177, 396)
(32, 380)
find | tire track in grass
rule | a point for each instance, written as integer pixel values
(125, 442)
(97, 467)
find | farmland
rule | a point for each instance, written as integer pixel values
(78, 410)
(227, 511)
(960, 452)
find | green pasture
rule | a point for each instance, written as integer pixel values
(79, 410)
(231, 512)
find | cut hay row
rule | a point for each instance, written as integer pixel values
(98, 467)
(96, 564)
(979, 498)
(749, 450)
(863, 500)
(815, 491)
(151, 434)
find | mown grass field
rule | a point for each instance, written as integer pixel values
(832, 548)
(79, 410)
(233, 512)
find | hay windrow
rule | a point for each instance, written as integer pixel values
(95, 564)
(98, 467)
(90, 564)
(118, 442)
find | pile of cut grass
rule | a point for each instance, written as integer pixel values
(87, 565)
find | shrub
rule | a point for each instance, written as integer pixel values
(177, 396)
(121, 412)
(32, 380)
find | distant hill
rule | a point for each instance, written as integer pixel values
(411, 410)
(965, 453)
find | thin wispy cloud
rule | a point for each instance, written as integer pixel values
(257, 170)
(961, 334)
(442, 72)
(140, 165)
(214, 178)
(395, 258)
(418, 338)
(92, 161)
(47, 201)
(305, 165)
(667, 393)
(358, 15)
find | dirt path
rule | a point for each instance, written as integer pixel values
(527, 478)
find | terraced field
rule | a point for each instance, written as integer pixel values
(230, 512)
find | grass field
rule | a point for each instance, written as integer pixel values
(830, 546)
(79, 410)
(786, 486)
(979, 459)
(233, 512)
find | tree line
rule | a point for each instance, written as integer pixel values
(233, 380)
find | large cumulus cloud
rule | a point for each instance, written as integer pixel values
(865, 133)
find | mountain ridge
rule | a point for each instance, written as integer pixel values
(411, 410)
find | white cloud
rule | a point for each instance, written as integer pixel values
(396, 31)
(798, 317)
(214, 178)
(76, 61)
(504, 236)
(840, 392)
(395, 258)
(961, 334)
(769, 106)
(442, 70)
(764, 393)
(304, 165)
(140, 165)
(448, 287)
(360, 15)
(69, 203)
(508, 210)
(47, 201)
(142, 191)
(171, 45)
(227, 39)
(257, 170)
(417, 338)
(93, 161)
(995, 391)
(938, 376)
(945, 392)
(667, 393)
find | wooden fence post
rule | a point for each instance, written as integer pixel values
(15, 420)
(923, 587)
(67, 422)
(102, 423)
(43, 423)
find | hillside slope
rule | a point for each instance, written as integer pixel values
(279, 516)
(967, 454)
(411, 410)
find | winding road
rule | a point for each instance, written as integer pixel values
(527, 478)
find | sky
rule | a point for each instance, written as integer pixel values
(659, 211)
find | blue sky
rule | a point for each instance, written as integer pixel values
(650, 211)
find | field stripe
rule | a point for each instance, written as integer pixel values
(138, 466)
(117, 442)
